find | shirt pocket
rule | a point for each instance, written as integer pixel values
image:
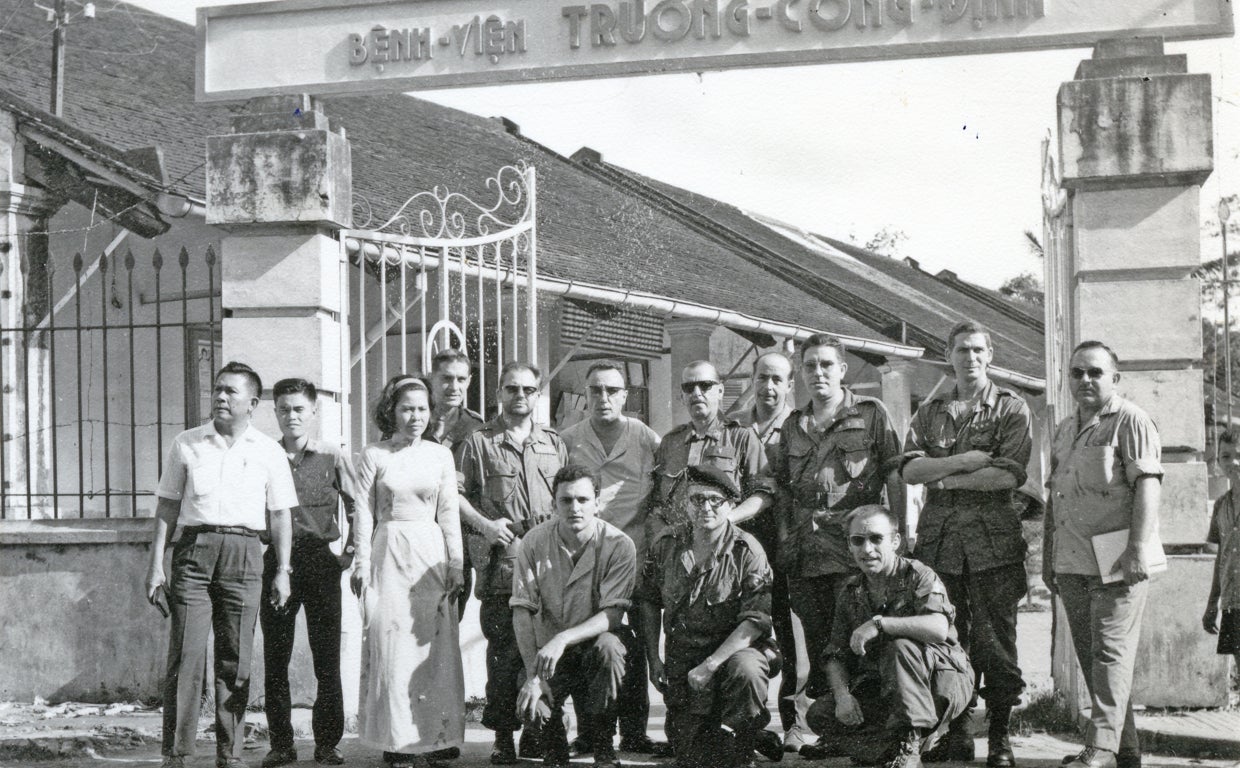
(1095, 467)
(854, 448)
(984, 437)
(499, 486)
(204, 480)
(721, 457)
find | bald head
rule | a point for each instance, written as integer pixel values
(772, 381)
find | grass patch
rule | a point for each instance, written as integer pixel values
(1046, 712)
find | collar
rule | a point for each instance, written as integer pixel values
(990, 394)
(726, 542)
(499, 435)
(749, 418)
(1109, 407)
(714, 432)
(848, 409)
(250, 434)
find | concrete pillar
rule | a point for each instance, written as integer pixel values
(897, 393)
(280, 183)
(690, 341)
(25, 372)
(1135, 143)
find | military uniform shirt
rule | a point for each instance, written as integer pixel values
(506, 481)
(960, 526)
(1094, 470)
(726, 445)
(703, 603)
(451, 432)
(913, 590)
(839, 469)
(562, 594)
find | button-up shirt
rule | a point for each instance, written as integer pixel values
(1225, 532)
(913, 590)
(837, 469)
(725, 445)
(507, 481)
(703, 602)
(323, 477)
(222, 484)
(1094, 470)
(563, 594)
(961, 526)
(624, 472)
(452, 431)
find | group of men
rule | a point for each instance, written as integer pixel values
(708, 561)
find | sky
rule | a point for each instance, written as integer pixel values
(946, 150)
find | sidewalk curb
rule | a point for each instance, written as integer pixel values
(1188, 745)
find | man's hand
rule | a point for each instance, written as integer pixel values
(155, 579)
(498, 532)
(454, 580)
(701, 675)
(972, 461)
(548, 657)
(848, 710)
(280, 589)
(861, 636)
(358, 580)
(531, 706)
(658, 675)
(1133, 563)
(1209, 619)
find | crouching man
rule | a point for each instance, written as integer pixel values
(897, 675)
(708, 585)
(570, 588)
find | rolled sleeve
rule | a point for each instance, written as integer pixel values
(172, 481)
(1140, 448)
(525, 591)
(755, 598)
(1016, 441)
(931, 596)
(615, 588)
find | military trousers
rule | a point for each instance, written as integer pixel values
(505, 669)
(592, 673)
(1105, 621)
(215, 587)
(735, 697)
(986, 604)
(813, 601)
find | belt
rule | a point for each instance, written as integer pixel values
(235, 530)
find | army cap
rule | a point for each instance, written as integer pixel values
(716, 478)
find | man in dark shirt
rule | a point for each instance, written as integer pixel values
(323, 478)
(896, 674)
(708, 585)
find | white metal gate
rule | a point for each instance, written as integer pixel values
(447, 271)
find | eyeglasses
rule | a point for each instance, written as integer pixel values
(704, 500)
(513, 390)
(1093, 373)
(859, 541)
(689, 387)
(600, 391)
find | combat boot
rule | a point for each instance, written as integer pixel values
(998, 745)
(956, 746)
(905, 752)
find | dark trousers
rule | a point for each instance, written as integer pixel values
(781, 619)
(315, 586)
(505, 669)
(215, 586)
(736, 697)
(813, 601)
(592, 673)
(985, 604)
(919, 686)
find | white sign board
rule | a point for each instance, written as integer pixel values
(360, 46)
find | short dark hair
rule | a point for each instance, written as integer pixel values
(1091, 344)
(871, 510)
(823, 340)
(294, 387)
(571, 473)
(385, 408)
(242, 369)
(517, 365)
(447, 356)
(606, 365)
(970, 327)
(1229, 436)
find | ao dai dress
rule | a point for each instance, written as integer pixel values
(413, 691)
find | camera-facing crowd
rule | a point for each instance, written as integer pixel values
(704, 563)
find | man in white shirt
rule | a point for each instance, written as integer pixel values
(219, 483)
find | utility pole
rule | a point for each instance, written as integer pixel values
(58, 58)
(1224, 213)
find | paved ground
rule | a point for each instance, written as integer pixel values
(77, 736)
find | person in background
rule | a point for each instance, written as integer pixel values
(1225, 535)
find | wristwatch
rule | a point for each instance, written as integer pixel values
(878, 623)
(286, 568)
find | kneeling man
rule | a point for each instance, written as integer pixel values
(708, 585)
(896, 671)
(570, 588)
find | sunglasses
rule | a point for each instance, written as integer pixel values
(514, 390)
(600, 391)
(859, 541)
(704, 500)
(689, 387)
(1093, 373)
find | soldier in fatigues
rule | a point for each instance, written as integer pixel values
(969, 446)
(707, 583)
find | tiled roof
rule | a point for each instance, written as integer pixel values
(884, 293)
(129, 84)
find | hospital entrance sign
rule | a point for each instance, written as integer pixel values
(367, 46)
